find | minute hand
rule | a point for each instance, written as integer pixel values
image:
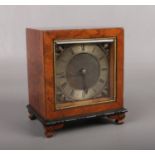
(84, 83)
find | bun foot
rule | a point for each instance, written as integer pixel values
(32, 116)
(49, 130)
(118, 118)
(119, 122)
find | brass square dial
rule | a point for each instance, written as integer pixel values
(84, 72)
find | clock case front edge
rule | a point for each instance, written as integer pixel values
(40, 55)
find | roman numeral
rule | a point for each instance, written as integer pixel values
(72, 92)
(61, 75)
(94, 90)
(72, 51)
(62, 60)
(83, 47)
(83, 93)
(93, 49)
(64, 85)
(101, 57)
(104, 69)
(101, 80)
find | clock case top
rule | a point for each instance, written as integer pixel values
(40, 58)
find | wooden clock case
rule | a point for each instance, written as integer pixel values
(40, 58)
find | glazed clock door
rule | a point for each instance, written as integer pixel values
(85, 72)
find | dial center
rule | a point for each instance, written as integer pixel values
(83, 71)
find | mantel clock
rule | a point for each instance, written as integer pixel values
(75, 74)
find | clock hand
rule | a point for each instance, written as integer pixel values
(84, 84)
(79, 73)
(73, 75)
(83, 74)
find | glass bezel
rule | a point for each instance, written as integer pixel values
(91, 101)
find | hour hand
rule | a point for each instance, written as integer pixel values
(73, 75)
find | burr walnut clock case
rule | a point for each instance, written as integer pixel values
(75, 74)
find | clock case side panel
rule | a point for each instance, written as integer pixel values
(49, 37)
(48, 45)
(35, 66)
(120, 68)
